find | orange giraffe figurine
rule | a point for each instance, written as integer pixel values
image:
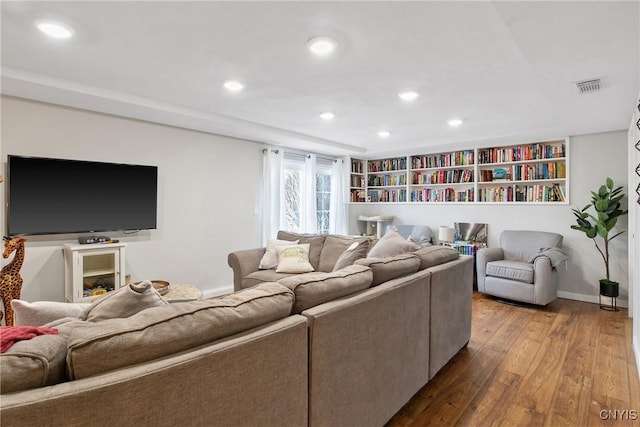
(10, 279)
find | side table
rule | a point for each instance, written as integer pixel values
(182, 292)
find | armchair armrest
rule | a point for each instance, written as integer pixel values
(545, 286)
(483, 256)
(244, 262)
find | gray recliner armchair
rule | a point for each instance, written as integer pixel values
(518, 269)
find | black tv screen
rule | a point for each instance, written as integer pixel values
(51, 196)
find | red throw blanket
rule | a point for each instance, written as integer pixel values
(10, 334)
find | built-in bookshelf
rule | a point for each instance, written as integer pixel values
(387, 180)
(443, 177)
(523, 173)
(358, 181)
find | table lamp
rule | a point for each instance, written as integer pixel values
(446, 234)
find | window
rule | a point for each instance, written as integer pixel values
(323, 196)
(292, 194)
(307, 203)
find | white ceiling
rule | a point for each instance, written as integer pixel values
(508, 69)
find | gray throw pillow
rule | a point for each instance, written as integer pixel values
(354, 252)
(124, 302)
(421, 234)
(392, 244)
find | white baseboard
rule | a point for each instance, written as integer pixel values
(222, 290)
(636, 353)
(590, 298)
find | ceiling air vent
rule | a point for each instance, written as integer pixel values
(589, 86)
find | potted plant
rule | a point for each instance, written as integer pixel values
(598, 219)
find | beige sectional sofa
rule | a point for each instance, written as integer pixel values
(321, 349)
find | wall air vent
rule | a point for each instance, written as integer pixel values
(589, 86)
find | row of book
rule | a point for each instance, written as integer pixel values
(387, 180)
(458, 158)
(521, 153)
(467, 248)
(357, 181)
(551, 170)
(442, 195)
(399, 195)
(387, 165)
(522, 193)
(450, 176)
(358, 196)
(356, 166)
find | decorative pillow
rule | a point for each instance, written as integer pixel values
(421, 235)
(392, 244)
(293, 259)
(40, 313)
(124, 302)
(315, 241)
(354, 252)
(270, 258)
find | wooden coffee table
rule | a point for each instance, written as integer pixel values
(182, 292)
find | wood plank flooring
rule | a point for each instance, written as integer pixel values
(567, 364)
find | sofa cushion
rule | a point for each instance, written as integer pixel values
(162, 331)
(356, 251)
(512, 270)
(124, 302)
(270, 257)
(391, 244)
(316, 242)
(262, 276)
(334, 246)
(33, 363)
(293, 259)
(385, 269)
(435, 255)
(42, 312)
(312, 289)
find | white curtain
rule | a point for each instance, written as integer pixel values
(338, 217)
(308, 220)
(272, 193)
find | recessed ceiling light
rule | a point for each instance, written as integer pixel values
(322, 45)
(233, 86)
(408, 95)
(454, 122)
(327, 115)
(384, 133)
(54, 29)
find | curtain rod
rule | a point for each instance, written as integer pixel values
(293, 153)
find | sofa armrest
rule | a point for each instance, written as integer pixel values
(483, 256)
(243, 263)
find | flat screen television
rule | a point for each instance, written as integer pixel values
(53, 196)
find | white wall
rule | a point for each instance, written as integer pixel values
(592, 159)
(208, 191)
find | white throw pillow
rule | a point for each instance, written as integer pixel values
(293, 259)
(270, 258)
(42, 312)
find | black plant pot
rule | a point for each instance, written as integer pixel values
(610, 289)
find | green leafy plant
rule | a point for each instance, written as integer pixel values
(598, 218)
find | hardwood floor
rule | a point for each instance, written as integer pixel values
(567, 364)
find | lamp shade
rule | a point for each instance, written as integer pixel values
(446, 234)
